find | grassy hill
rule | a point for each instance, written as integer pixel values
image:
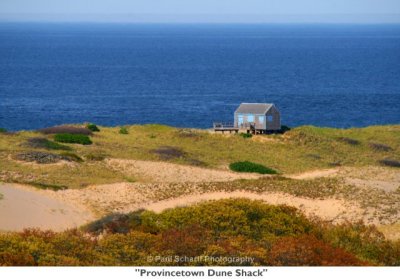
(298, 150)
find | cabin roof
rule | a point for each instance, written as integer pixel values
(253, 108)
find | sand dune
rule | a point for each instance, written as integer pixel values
(24, 207)
(165, 172)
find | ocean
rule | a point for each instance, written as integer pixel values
(191, 75)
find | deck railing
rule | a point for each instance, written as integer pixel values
(230, 125)
(223, 125)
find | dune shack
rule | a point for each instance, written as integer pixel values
(256, 118)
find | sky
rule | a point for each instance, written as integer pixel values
(207, 11)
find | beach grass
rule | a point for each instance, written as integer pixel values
(301, 149)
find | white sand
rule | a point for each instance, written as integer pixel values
(24, 207)
(314, 174)
(165, 172)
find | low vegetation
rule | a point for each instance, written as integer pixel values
(269, 235)
(72, 156)
(390, 163)
(247, 166)
(40, 157)
(66, 129)
(73, 138)
(298, 150)
(95, 156)
(123, 131)
(246, 135)
(169, 152)
(92, 127)
(2, 130)
(380, 147)
(349, 141)
(45, 186)
(285, 129)
(38, 142)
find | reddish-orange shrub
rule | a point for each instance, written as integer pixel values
(307, 250)
(22, 258)
(189, 241)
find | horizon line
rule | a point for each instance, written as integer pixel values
(203, 18)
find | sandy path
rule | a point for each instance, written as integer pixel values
(24, 207)
(387, 179)
(365, 177)
(314, 174)
(165, 172)
(127, 197)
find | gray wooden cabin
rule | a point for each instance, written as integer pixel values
(257, 118)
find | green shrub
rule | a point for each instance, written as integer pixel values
(2, 130)
(284, 128)
(93, 127)
(45, 144)
(71, 138)
(245, 135)
(123, 131)
(246, 166)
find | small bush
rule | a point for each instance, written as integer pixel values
(2, 130)
(380, 147)
(245, 135)
(66, 130)
(45, 144)
(246, 166)
(73, 138)
(284, 129)
(93, 127)
(390, 163)
(349, 141)
(123, 131)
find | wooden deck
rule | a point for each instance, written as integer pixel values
(225, 127)
(249, 128)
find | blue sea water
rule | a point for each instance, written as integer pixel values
(191, 75)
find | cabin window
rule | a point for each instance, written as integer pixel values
(240, 119)
(250, 118)
(261, 119)
(270, 118)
